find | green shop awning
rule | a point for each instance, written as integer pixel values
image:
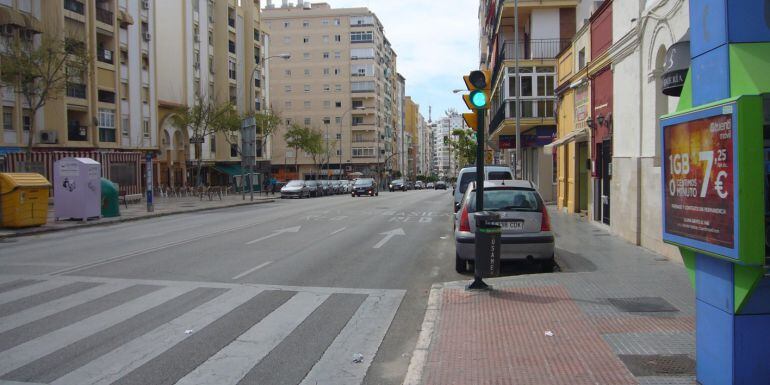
(229, 169)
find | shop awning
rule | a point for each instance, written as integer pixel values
(229, 169)
(575, 135)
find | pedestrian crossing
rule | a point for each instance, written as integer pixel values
(83, 330)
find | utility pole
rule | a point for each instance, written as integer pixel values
(518, 85)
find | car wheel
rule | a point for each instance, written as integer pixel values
(377, 194)
(460, 265)
(548, 266)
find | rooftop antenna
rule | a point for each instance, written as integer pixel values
(430, 111)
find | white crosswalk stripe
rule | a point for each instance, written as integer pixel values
(227, 363)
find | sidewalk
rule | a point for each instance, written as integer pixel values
(138, 210)
(617, 314)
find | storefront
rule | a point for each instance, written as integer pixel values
(601, 129)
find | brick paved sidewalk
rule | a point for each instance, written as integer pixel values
(617, 315)
(162, 206)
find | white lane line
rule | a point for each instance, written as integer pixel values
(44, 310)
(121, 361)
(253, 269)
(233, 362)
(388, 235)
(30, 351)
(338, 231)
(362, 334)
(294, 229)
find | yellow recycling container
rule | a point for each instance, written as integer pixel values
(23, 199)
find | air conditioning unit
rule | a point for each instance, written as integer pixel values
(145, 4)
(48, 137)
(146, 36)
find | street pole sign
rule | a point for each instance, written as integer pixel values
(148, 163)
(249, 151)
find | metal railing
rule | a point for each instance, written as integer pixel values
(104, 15)
(75, 90)
(75, 6)
(533, 49)
(531, 108)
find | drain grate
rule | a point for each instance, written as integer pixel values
(642, 305)
(659, 365)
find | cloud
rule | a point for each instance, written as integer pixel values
(436, 43)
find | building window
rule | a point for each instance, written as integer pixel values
(125, 125)
(327, 104)
(325, 39)
(213, 144)
(338, 38)
(326, 71)
(106, 120)
(337, 71)
(146, 128)
(211, 37)
(306, 55)
(306, 40)
(231, 69)
(337, 120)
(338, 136)
(231, 46)
(327, 88)
(326, 55)
(8, 119)
(361, 36)
(307, 88)
(363, 152)
(307, 121)
(286, 24)
(287, 105)
(287, 73)
(325, 22)
(287, 40)
(327, 120)
(307, 104)
(289, 153)
(337, 22)
(26, 120)
(338, 87)
(256, 34)
(233, 150)
(361, 20)
(305, 23)
(338, 104)
(337, 54)
(307, 72)
(581, 59)
(287, 88)
(358, 104)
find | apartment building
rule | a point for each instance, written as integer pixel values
(400, 122)
(445, 164)
(411, 134)
(213, 50)
(341, 80)
(110, 115)
(546, 27)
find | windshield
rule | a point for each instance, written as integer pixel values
(294, 183)
(363, 182)
(507, 200)
(399, 181)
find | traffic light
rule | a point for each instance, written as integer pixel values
(471, 120)
(478, 83)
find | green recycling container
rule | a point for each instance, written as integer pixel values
(110, 199)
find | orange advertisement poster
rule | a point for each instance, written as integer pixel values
(698, 176)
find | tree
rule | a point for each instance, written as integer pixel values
(205, 118)
(295, 138)
(39, 70)
(464, 146)
(314, 145)
(266, 122)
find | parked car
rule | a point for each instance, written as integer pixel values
(409, 185)
(526, 226)
(349, 186)
(440, 185)
(468, 175)
(325, 187)
(429, 185)
(315, 188)
(419, 185)
(364, 186)
(397, 184)
(295, 189)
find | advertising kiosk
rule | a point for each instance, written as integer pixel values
(714, 182)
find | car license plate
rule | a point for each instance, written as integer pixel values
(511, 225)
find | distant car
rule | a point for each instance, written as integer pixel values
(397, 184)
(419, 185)
(295, 189)
(526, 226)
(326, 187)
(409, 186)
(364, 186)
(315, 188)
(440, 185)
(429, 185)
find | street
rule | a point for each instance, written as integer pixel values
(315, 291)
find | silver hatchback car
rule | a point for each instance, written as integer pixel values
(526, 227)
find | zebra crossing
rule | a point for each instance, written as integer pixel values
(84, 330)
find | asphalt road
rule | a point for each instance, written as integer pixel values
(281, 293)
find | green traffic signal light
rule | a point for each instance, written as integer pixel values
(478, 99)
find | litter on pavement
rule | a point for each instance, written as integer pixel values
(358, 358)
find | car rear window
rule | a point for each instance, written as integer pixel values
(508, 199)
(465, 179)
(500, 175)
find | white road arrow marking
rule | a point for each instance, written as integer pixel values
(388, 235)
(294, 229)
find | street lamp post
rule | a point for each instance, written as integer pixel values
(253, 108)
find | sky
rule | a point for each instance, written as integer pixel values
(436, 42)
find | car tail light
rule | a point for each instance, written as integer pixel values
(465, 223)
(545, 221)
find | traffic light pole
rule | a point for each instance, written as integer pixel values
(478, 283)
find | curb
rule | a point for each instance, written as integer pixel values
(132, 219)
(420, 354)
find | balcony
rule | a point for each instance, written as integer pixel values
(104, 15)
(532, 111)
(231, 22)
(529, 49)
(75, 6)
(104, 55)
(75, 90)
